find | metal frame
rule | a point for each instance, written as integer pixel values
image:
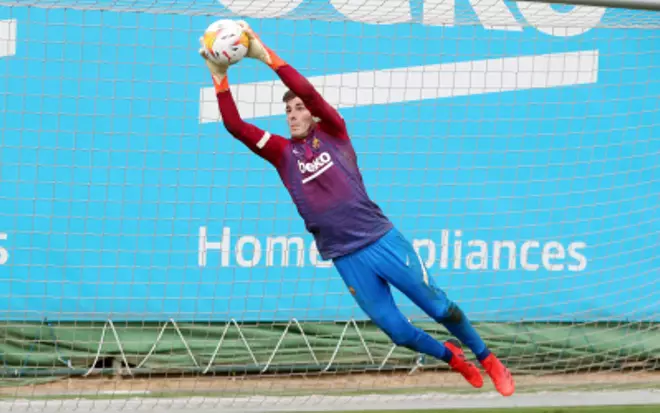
(653, 5)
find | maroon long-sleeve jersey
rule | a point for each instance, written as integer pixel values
(320, 171)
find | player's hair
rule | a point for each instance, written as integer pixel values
(288, 95)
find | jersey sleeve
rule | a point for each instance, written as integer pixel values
(263, 143)
(331, 120)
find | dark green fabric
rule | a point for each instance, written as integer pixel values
(69, 348)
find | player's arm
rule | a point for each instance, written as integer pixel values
(331, 120)
(262, 143)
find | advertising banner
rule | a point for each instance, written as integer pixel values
(520, 159)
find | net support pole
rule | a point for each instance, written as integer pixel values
(614, 4)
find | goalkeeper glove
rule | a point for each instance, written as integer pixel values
(218, 71)
(258, 50)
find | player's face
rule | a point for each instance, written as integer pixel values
(300, 120)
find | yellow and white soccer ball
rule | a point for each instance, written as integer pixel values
(226, 42)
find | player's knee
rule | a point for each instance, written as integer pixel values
(443, 309)
(452, 314)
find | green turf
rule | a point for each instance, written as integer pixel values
(592, 409)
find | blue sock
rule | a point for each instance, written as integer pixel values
(459, 325)
(483, 355)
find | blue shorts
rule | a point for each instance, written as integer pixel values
(392, 260)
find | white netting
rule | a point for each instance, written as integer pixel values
(515, 144)
(435, 12)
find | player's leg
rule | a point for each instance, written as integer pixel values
(374, 297)
(404, 269)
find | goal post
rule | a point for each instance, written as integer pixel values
(652, 5)
(515, 144)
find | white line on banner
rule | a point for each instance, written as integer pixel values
(261, 99)
(7, 37)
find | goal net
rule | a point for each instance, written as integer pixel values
(145, 251)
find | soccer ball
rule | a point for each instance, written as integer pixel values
(225, 42)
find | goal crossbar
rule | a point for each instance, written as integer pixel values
(652, 5)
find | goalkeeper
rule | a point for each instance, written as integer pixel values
(318, 167)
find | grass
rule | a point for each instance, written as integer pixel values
(590, 409)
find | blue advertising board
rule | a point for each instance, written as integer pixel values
(522, 163)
